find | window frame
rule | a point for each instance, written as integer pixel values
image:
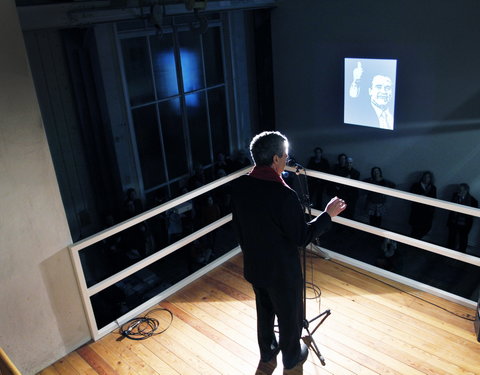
(174, 29)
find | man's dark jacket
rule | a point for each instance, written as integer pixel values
(270, 226)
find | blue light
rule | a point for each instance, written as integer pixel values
(192, 76)
(165, 72)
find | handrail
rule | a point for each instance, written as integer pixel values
(321, 175)
(88, 292)
(438, 203)
(405, 239)
(94, 289)
(155, 211)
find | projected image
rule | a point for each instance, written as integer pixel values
(370, 92)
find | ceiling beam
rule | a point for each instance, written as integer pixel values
(80, 14)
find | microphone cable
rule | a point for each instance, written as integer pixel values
(143, 327)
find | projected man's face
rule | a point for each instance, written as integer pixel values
(381, 91)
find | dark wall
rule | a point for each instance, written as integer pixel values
(437, 113)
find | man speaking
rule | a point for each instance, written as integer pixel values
(270, 225)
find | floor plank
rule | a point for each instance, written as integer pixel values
(79, 364)
(376, 327)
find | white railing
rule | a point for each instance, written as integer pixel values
(88, 292)
(438, 203)
(399, 237)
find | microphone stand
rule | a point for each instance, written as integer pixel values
(305, 202)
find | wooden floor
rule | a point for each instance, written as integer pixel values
(374, 328)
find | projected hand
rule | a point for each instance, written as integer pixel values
(335, 206)
(358, 72)
(354, 91)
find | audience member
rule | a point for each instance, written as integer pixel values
(316, 186)
(223, 194)
(199, 255)
(138, 239)
(375, 202)
(220, 173)
(210, 212)
(459, 224)
(197, 179)
(240, 160)
(386, 259)
(158, 223)
(421, 215)
(174, 225)
(348, 193)
(341, 166)
(132, 206)
(187, 212)
(338, 169)
(113, 249)
(224, 163)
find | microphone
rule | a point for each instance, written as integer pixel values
(292, 163)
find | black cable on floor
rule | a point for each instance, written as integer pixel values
(143, 327)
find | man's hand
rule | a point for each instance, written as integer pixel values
(357, 72)
(354, 91)
(335, 206)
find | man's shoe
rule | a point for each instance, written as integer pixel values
(302, 357)
(269, 356)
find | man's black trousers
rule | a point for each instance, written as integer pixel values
(284, 300)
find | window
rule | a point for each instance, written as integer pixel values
(176, 100)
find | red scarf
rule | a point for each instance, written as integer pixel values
(266, 173)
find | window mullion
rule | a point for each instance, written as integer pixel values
(212, 159)
(183, 104)
(157, 112)
(131, 127)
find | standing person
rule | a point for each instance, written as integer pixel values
(316, 186)
(375, 202)
(349, 193)
(270, 226)
(421, 215)
(338, 169)
(459, 224)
